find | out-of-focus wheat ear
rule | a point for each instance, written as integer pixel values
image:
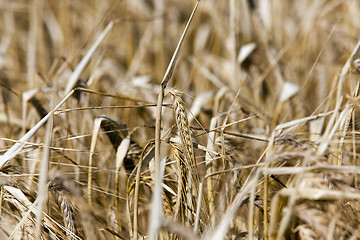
(67, 209)
(68, 216)
(156, 208)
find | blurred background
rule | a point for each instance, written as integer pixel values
(268, 61)
(255, 45)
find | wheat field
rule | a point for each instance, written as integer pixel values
(164, 119)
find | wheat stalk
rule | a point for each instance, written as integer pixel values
(155, 221)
